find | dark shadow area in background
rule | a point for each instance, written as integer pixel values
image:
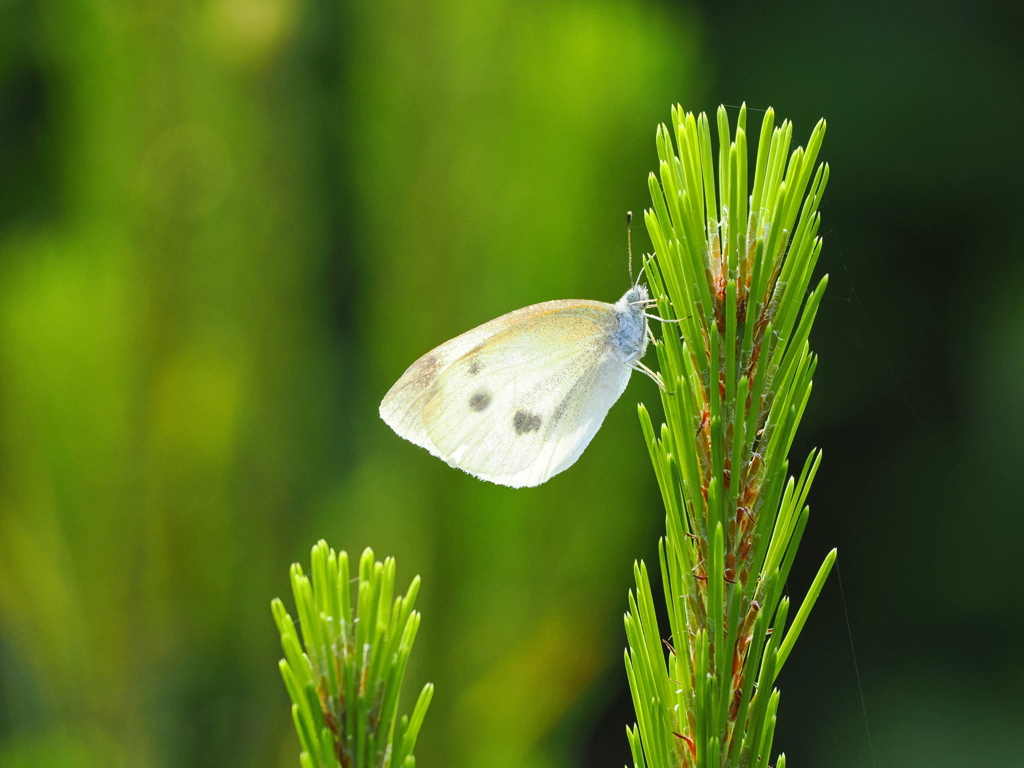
(28, 160)
(924, 112)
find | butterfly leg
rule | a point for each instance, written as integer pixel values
(661, 319)
(637, 365)
(650, 333)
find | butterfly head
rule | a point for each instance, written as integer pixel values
(637, 296)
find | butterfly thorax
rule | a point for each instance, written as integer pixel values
(631, 336)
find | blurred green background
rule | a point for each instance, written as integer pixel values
(226, 226)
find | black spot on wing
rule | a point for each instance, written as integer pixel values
(475, 367)
(479, 401)
(525, 422)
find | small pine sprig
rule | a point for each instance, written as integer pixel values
(345, 676)
(732, 266)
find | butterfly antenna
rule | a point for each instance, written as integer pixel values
(629, 244)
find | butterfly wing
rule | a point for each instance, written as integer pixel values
(518, 399)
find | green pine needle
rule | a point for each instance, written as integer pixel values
(345, 675)
(733, 264)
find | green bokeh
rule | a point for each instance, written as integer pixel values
(226, 227)
(258, 214)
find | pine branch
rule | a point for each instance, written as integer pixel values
(345, 676)
(733, 264)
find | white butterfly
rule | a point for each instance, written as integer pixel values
(515, 401)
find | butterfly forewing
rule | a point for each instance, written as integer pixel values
(402, 407)
(516, 400)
